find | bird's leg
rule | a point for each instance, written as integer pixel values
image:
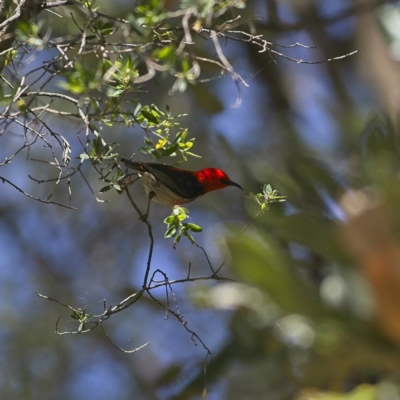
(146, 214)
(129, 180)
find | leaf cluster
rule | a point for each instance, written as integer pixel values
(176, 227)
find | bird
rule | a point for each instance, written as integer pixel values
(175, 186)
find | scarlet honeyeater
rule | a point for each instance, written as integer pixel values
(174, 186)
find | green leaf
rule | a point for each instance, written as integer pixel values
(137, 110)
(164, 52)
(171, 231)
(189, 236)
(145, 150)
(169, 219)
(82, 326)
(149, 116)
(169, 150)
(182, 216)
(194, 227)
(156, 154)
(98, 145)
(105, 188)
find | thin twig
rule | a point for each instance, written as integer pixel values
(143, 218)
(120, 348)
(16, 14)
(47, 201)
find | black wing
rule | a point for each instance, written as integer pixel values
(179, 181)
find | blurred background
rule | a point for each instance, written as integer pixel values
(313, 308)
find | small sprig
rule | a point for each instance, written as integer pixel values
(82, 317)
(176, 228)
(159, 126)
(99, 150)
(268, 197)
(264, 200)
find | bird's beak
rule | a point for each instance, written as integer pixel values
(235, 184)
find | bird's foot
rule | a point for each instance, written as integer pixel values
(128, 181)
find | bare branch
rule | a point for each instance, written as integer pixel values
(17, 14)
(47, 201)
(143, 218)
(120, 348)
(225, 61)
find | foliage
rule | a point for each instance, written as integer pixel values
(300, 302)
(267, 197)
(176, 228)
